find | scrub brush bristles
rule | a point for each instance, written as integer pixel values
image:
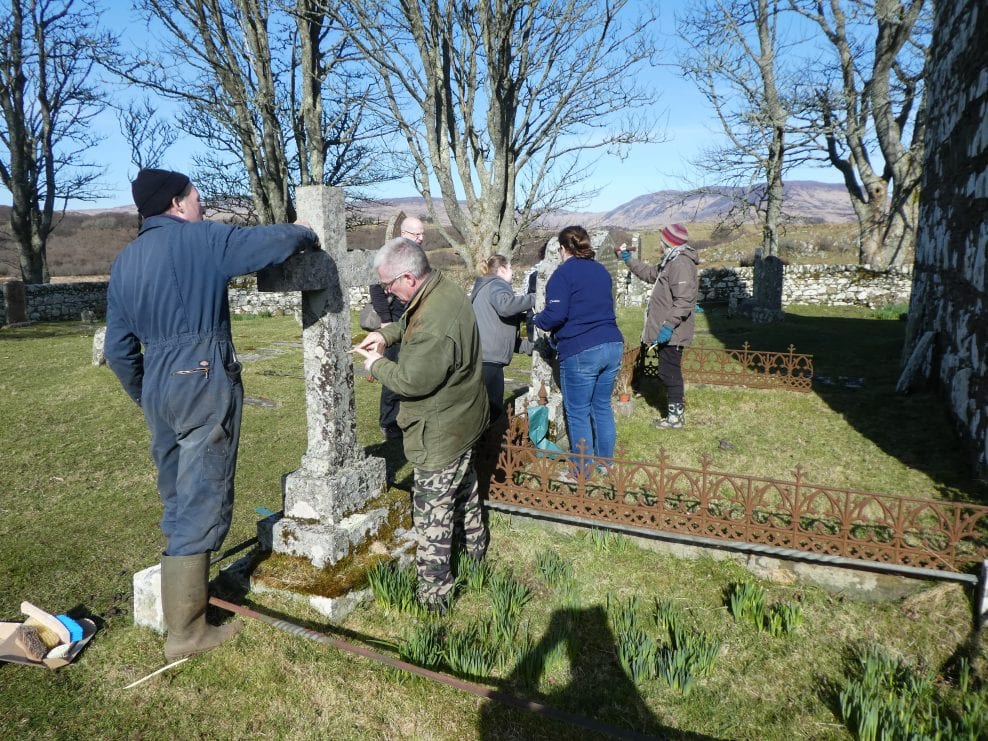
(47, 635)
(29, 639)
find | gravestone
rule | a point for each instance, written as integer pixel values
(393, 229)
(324, 516)
(328, 510)
(99, 347)
(765, 306)
(630, 289)
(15, 302)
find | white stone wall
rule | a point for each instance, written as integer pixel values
(828, 285)
(54, 302)
(808, 284)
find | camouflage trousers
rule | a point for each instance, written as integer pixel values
(447, 516)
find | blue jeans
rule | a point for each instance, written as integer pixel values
(587, 381)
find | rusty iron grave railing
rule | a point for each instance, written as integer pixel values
(725, 367)
(706, 507)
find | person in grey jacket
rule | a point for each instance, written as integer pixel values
(499, 312)
(669, 320)
(168, 341)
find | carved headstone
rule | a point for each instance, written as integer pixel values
(765, 305)
(324, 497)
(768, 277)
(393, 229)
(15, 301)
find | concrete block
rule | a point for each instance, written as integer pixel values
(338, 608)
(147, 599)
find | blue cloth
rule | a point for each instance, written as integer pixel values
(587, 381)
(579, 307)
(168, 293)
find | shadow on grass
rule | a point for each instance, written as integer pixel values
(599, 701)
(856, 368)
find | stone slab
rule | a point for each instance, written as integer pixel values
(326, 544)
(305, 271)
(147, 599)
(336, 609)
(99, 349)
(331, 497)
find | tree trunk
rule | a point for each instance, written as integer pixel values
(773, 193)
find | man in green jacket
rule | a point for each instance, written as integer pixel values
(443, 411)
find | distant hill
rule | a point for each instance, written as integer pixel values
(806, 201)
(86, 240)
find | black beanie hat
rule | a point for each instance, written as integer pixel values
(154, 189)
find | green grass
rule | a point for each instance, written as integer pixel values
(79, 513)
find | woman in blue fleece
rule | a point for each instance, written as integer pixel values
(579, 312)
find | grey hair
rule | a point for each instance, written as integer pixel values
(401, 255)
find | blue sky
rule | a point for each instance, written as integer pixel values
(681, 112)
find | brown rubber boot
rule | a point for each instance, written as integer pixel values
(184, 596)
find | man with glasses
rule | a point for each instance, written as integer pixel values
(390, 308)
(413, 229)
(444, 408)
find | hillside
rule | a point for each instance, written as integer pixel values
(806, 202)
(86, 241)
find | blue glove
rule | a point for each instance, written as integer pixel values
(665, 334)
(625, 255)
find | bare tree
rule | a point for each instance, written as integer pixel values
(148, 135)
(734, 58)
(252, 79)
(877, 98)
(47, 54)
(502, 103)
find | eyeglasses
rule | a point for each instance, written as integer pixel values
(414, 234)
(386, 285)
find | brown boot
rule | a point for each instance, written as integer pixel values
(184, 596)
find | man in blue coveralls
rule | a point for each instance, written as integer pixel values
(168, 292)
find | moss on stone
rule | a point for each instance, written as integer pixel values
(296, 574)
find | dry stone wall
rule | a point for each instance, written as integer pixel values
(808, 284)
(56, 302)
(828, 285)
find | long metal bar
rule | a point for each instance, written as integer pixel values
(474, 689)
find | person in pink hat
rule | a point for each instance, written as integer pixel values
(669, 321)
